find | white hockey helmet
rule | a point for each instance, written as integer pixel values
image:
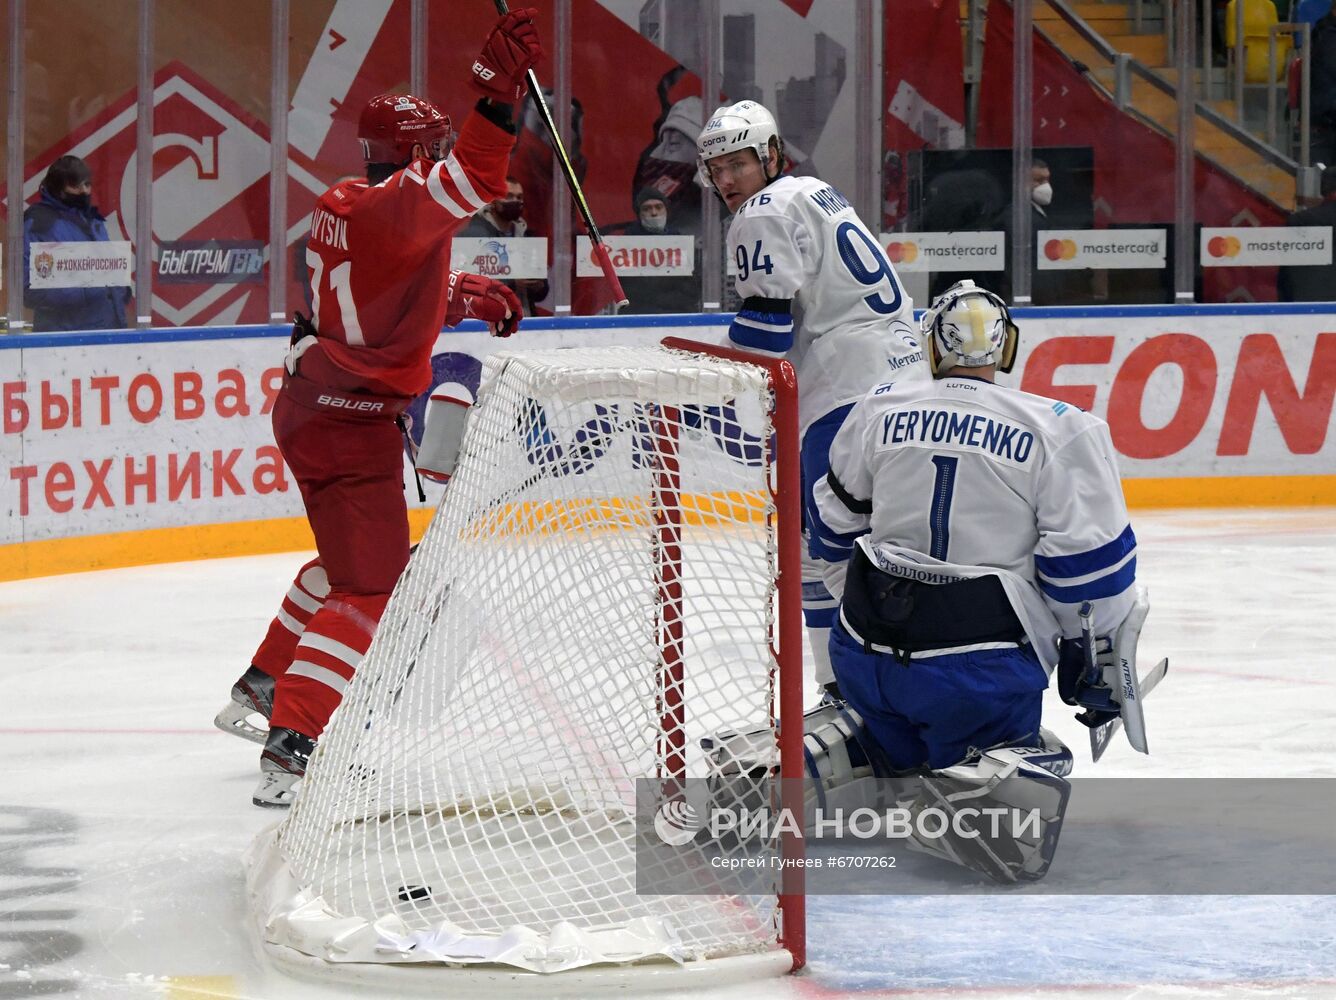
(970, 327)
(745, 125)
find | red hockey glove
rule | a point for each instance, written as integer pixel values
(471, 296)
(506, 56)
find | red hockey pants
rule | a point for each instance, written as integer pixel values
(349, 468)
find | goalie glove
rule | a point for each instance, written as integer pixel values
(471, 296)
(507, 56)
(1081, 679)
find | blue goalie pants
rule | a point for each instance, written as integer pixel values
(934, 710)
(923, 705)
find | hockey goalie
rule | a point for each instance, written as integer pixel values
(993, 547)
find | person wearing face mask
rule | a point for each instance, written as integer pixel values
(1046, 287)
(658, 294)
(65, 213)
(502, 218)
(1041, 188)
(668, 163)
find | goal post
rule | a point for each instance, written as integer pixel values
(512, 786)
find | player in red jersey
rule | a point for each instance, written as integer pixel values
(382, 288)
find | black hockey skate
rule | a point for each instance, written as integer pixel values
(282, 766)
(252, 694)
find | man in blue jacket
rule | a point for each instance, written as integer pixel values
(65, 214)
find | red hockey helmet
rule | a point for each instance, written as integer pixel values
(392, 124)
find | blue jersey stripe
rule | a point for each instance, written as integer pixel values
(1109, 585)
(819, 617)
(777, 322)
(760, 340)
(1084, 563)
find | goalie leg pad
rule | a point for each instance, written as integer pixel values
(842, 764)
(999, 814)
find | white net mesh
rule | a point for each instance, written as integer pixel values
(595, 595)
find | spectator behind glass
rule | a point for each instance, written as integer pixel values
(64, 213)
(656, 294)
(504, 218)
(1323, 75)
(668, 163)
(1316, 283)
(1046, 287)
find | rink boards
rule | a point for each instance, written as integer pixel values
(155, 446)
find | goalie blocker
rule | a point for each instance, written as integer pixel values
(1099, 674)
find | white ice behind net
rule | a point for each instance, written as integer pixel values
(474, 797)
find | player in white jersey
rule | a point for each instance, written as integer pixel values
(817, 288)
(967, 487)
(987, 516)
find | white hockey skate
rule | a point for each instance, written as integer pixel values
(252, 695)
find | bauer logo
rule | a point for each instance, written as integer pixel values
(677, 822)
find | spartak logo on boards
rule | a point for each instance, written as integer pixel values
(211, 168)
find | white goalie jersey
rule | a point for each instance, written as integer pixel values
(959, 477)
(817, 287)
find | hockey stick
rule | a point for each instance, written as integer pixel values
(1101, 737)
(600, 249)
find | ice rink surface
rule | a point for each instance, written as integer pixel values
(124, 814)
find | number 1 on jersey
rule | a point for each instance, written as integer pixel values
(939, 517)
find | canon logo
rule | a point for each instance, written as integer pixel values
(339, 403)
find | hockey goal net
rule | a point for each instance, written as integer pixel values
(603, 587)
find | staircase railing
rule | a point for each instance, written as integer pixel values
(1126, 66)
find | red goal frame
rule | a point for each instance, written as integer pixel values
(787, 644)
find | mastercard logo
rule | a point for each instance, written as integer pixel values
(903, 253)
(1224, 246)
(1060, 249)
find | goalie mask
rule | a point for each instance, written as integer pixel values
(970, 327)
(733, 127)
(392, 124)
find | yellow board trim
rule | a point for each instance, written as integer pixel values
(55, 556)
(1232, 491)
